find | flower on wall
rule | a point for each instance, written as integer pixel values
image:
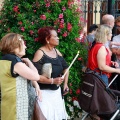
(22, 29)
(42, 17)
(69, 26)
(15, 9)
(27, 16)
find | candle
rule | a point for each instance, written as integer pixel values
(70, 64)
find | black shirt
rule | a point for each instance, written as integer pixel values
(58, 65)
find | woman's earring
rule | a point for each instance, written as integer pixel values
(47, 42)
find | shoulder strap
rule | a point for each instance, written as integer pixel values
(56, 51)
(88, 70)
(41, 50)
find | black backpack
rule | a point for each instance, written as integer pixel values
(94, 98)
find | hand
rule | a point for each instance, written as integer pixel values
(26, 61)
(39, 93)
(58, 80)
(65, 89)
(115, 64)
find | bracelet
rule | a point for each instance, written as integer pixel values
(52, 80)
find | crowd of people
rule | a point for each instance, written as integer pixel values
(21, 79)
(103, 53)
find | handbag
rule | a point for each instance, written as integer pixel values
(47, 70)
(37, 113)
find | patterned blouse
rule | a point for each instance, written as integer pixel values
(17, 94)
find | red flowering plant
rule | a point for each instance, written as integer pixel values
(27, 16)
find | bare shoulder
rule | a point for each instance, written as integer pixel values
(38, 55)
(58, 52)
(102, 50)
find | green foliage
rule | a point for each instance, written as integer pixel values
(27, 16)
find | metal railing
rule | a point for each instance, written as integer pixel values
(95, 9)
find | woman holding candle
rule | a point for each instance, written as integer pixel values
(99, 57)
(52, 104)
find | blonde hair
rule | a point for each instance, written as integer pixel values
(10, 42)
(102, 32)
